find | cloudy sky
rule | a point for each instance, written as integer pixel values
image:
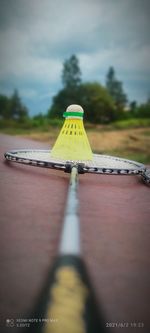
(36, 36)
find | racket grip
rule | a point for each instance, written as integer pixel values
(68, 303)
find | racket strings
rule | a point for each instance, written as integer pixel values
(99, 163)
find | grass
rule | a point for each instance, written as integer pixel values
(128, 143)
(132, 123)
(127, 138)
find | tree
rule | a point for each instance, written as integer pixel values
(71, 74)
(144, 110)
(4, 106)
(95, 100)
(101, 104)
(61, 101)
(115, 89)
(17, 110)
(133, 108)
(98, 104)
(71, 79)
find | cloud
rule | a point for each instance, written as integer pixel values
(136, 60)
(36, 36)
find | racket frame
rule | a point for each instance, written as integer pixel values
(83, 167)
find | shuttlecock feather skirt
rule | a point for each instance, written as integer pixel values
(72, 142)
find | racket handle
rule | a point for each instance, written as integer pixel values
(68, 303)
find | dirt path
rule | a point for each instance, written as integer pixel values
(115, 215)
(125, 141)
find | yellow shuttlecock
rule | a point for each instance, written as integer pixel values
(72, 142)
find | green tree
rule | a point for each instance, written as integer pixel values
(61, 101)
(115, 89)
(133, 107)
(98, 104)
(140, 111)
(71, 80)
(17, 110)
(144, 110)
(4, 107)
(71, 74)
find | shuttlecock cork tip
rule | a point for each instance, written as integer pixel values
(74, 111)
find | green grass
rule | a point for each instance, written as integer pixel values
(139, 156)
(131, 123)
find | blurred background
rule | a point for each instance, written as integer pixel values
(90, 52)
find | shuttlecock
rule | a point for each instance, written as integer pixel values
(72, 142)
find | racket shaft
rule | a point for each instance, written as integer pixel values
(68, 303)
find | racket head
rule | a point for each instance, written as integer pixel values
(101, 164)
